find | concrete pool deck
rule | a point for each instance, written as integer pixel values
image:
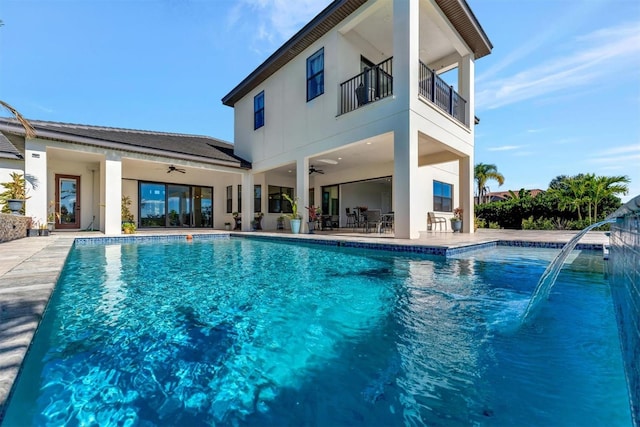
(30, 267)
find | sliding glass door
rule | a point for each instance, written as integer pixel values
(173, 205)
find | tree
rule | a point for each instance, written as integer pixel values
(602, 187)
(28, 129)
(483, 173)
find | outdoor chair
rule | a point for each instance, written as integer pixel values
(433, 220)
(351, 219)
(374, 220)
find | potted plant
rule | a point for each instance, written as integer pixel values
(314, 217)
(294, 218)
(32, 228)
(52, 216)
(257, 219)
(456, 219)
(227, 226)
(128, 226)
(14, 195)
(237, 219)
(280, 222)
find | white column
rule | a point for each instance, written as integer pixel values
(406, 187)
(37, 185)
(247, 201)
(302, 191)
(466, 86)
(111, 193)
(406, 49)
(465, 165)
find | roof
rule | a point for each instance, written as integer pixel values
(503, 195)
(205, 148)
(7, 149)
(457, 11)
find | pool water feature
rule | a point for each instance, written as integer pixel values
(548, 278)
(254, 333)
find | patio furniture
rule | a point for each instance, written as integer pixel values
(433, 220)
(387, 222)
(351, 219)
(373, 220)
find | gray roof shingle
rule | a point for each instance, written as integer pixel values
(205, 147)
(7, 149)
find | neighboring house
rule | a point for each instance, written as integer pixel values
(497, 196)
(173, 180)
(349, 112)
(354, 94)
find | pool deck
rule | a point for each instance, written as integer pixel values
(30, 267)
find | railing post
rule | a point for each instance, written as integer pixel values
(432, 88)
(451, 101)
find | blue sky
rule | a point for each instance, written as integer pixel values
(559, 95)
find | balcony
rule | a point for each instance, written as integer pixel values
(436, 90)
(371, 85)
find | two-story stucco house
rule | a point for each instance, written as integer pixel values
(356, 95)
(350, 112)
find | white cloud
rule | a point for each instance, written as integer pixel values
(505, 148)
(594, 56)
(273, 21)
(634, 148)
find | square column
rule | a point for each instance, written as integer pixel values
(35, 174)
(406, 186)
(247, 201)
(111, 194)
(302, 190)
(466, 87)
(465, 165)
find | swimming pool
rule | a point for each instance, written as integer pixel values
(255, 333)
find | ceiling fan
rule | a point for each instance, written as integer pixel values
(172, 168)
(312, 169)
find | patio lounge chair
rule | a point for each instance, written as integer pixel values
(432, 220)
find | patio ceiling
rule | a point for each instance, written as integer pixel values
(369, 153)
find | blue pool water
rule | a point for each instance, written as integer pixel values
(253, 333)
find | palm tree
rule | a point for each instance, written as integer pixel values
(29, 132)
(602, 187)
(574, 196)
(483, 173)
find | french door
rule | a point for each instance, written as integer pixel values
(67, 202)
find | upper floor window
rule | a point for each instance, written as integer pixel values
(258, 110)
(442, 197)
(315, 75)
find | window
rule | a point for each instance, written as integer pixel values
(258, 110)
(277, 203)
(315, 75)
(229, 199)
(172, 205)
(257, 198)
(239, 198)
(442, 192)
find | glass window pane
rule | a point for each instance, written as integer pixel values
(152, 205)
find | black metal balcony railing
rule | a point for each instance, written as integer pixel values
(437, 91)
(371, 85)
